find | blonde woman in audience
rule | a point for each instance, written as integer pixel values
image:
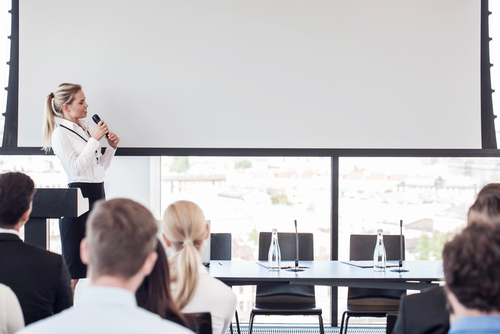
(185, 231)
(11, 315)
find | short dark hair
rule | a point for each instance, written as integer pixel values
(16, 194)
(121, 233)
(471, 267)
(486, 208)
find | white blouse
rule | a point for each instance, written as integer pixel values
(79, 153)
(11, 315)
(212, 296)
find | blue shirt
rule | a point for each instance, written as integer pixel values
(105, 310)
(485, 324)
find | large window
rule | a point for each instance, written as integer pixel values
(430, 195)
(245, 196)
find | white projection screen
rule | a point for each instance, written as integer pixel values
(259, 74)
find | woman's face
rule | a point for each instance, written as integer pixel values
(78, 108)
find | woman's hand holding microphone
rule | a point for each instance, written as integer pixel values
(102, 130)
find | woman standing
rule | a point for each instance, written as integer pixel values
(194, 290)
(79, 151)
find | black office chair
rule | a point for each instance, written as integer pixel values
(370, 302)
(220, 249)
(200, 323)
(286, 299)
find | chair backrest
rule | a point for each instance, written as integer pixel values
(200, 323)
(361, 249)
(286, 296)
(287, 244)
(363, 245)
(220, 246)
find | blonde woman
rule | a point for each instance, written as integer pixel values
(77, 147)
(194, 290)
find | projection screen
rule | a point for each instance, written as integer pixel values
(259, 74)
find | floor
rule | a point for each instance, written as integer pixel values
(301, 329)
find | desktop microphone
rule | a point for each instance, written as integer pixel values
(296, 268)
(400, 269)
(96, 120)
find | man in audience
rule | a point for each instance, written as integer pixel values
(39, 278)
(426, 312)
(472, 273)
(119, 250)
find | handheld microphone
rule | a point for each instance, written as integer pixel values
(96, 120)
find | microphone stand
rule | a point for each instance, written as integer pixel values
(400, 269)
(296, 268)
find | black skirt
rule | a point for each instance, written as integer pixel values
(72, 230)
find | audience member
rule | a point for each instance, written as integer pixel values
(119, 250)
(11, 315)
(426, 312)
(194, 290)
(154, 293)
(472, 274)
(39, 278)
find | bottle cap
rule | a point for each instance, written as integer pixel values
(275, 230)
(380, 230)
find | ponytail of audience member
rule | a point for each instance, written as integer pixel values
(185, 229)
(54, 102)
(154, 293)
(194, 290)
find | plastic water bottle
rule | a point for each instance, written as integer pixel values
(379, 255)
(274, 257)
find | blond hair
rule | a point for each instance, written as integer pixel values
(54, 103)
(121, 234)
(185, 227)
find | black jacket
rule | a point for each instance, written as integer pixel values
(423, 312)
(39, 278)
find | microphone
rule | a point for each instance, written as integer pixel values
(296, 268)
(96, 120)
(400, 269)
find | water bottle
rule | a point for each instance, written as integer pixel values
(274, 257)
(379, 255)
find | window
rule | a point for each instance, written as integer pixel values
(245, 196)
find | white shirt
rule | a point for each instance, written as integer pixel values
(11, 315)
(105, 310)
(212, 296)
(10, 230)
(80, 155)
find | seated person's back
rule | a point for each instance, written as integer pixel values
(471, 265)
(119, 250)
(194, 290)
(39, 278)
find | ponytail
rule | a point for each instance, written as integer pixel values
(53, 108)
(49, 123)
(185, 227)
(185, 266)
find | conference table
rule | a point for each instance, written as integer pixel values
(421, 274)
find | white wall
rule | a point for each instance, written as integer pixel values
(136, 178)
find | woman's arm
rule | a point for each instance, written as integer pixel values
(113, 141)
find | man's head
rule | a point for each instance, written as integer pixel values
(471, 268)
(486, 208)
(16, 195)
(121, 240)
